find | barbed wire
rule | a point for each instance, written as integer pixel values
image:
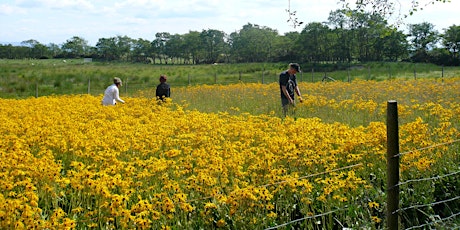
(428, 147)
(426, 205)
(294, 179)
(434, 222)
(305, 218)
(426, 179)
(312, 175)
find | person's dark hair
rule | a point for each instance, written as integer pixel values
(163, 78)
(295, 66)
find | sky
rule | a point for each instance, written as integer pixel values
(56, 21)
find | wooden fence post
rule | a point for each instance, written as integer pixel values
(126, 86)
(89, 85)
(36, 89)
(392, 166)
(442, 74)
(312, 74)
(263, 75)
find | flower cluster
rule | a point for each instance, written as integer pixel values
(67, 162)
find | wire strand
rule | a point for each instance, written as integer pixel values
(434, 222)
(426, 205)
(428, 147)
(312, 175)
(305, 218)
(285, 181)
(425, 179)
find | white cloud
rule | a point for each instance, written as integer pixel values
(57, 20)
(7, 9)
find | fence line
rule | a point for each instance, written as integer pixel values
(313, 175)
(425, 179)
(285, 181)
(393, 169)
(426, 205)
(307, 217)
(428, 147)
(435, 222)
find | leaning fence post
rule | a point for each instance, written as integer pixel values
(126, 86)
(392, 165)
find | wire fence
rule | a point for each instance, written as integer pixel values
(95, 83)
(393, 223)
(437, 221)
(434, 219)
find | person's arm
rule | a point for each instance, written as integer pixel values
(117, 96)
(297, 90)
(285, 92)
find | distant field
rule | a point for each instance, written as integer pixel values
(29, 78)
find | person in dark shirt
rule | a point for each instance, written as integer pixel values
(163, 89)
(289, 87)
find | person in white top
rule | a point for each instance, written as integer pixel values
(112, 94)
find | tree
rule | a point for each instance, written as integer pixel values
(174, 47)
(314, 42)
(159, 44)
(194, 49)
(423, 37)
(384, 8)
(106, 48)
(54, 50)
(253, 43)
(75, 47)
(451, 40)
(387, 8)
(141, 50)
(123, 47)
(213, 43)
(395, 45)
(287, 48)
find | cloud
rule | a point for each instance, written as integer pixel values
(7, 9)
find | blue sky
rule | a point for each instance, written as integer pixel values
(55, 21)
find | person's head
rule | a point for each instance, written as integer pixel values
(117, 81)
(294, 68)
(163, 78)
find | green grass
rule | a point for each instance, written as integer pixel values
(29, 78)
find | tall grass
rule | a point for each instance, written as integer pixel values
(27, 78)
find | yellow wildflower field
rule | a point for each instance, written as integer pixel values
(69, 163)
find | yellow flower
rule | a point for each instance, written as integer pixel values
(373, 204)
(221, 223)
(376, 219)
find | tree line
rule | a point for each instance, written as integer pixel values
(347, 36)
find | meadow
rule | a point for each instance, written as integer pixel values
(222, 156)
(32, 78)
